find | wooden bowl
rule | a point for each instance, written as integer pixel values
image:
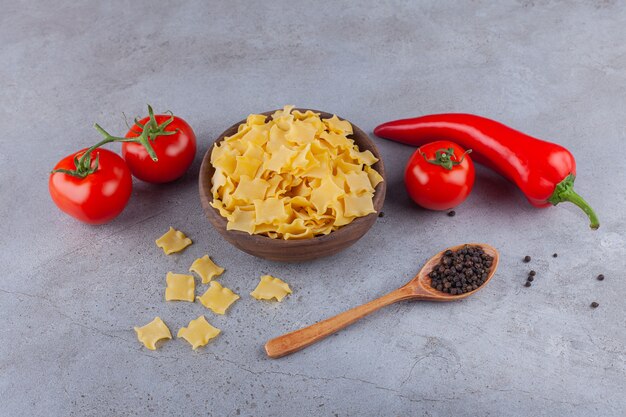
(298, 249)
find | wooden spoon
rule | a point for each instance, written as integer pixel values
(418, 288)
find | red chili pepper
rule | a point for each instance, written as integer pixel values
(544, 171)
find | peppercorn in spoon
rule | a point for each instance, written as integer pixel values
(450, 275)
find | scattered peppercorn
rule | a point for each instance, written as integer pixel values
(381, 214)
(452, 213)
(528, 284)
(554, 255)
(600, 277)
(461, 271)
(532, 273)
(531, 278)
(594, 305)
(526, 258)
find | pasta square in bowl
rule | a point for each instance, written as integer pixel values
(292, 184)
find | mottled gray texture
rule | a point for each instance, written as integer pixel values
(70, 294)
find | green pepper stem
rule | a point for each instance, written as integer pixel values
(564, 191)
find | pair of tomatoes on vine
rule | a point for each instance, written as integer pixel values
(94, 184)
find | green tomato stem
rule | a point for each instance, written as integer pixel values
(149, 132)
(443, 158)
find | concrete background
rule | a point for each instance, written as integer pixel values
(70, 294)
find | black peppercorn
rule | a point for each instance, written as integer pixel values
(594, 305)
(531, 278)
(526, 258)
(381, 214)
(461, 271)
(528, 284)
(600, 277)
(451, 213)
(554, 255)
(532, 273)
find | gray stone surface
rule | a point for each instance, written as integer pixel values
(70, 294)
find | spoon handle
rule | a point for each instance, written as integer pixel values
(299, 339)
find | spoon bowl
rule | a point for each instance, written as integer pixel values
(419, 288)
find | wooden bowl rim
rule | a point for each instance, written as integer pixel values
(217, 220)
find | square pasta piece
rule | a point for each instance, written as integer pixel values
(358, 205)
(218, 298)
(375, 177)
(359, 182)
(198, 332)
(173, 241)
(343, 127)
(152, 332)
(242, 220)
(324, 195)
(271, 287)
(180, 287)
(249, 189)
(206, 269)
(269, 210)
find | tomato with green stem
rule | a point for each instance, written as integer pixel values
(174, 144)
(97, 197)
(439, 175)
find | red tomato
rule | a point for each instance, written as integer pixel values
(175, 152)
(432, 185)
(97, 198)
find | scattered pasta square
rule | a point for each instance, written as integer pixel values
(198, 332)
(173, 241)
(152, 332)
(218, 298)
(206, 269)
(271, 287)
(180, 287)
